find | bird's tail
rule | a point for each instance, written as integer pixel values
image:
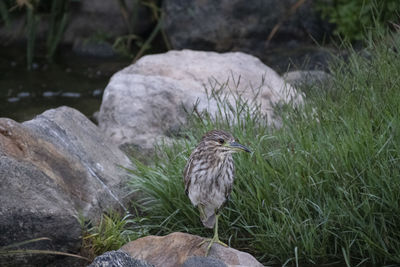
(207, 216)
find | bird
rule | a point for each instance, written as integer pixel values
(209, 176)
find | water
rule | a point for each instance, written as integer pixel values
(79, 82)
(72, 80)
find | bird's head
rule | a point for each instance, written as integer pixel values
(222, 142)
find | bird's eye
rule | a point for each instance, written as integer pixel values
(221, 141)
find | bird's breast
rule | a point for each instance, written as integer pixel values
(211, 186)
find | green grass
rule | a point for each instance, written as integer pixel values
(322, 189)
(9, 253)
(111, 233)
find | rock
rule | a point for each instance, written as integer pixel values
(117, 259)
(242, 25)
(103, 182)
(301, 57)
(306, 78)
(176, 248)
(148, 100)
(198, 261)
(54, 169)
(105, 18)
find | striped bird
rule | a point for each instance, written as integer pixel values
(209, 175)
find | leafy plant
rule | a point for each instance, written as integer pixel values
(59, 18)
(32, 21)
(124, 44)
(354, 18)
(58, 14)
(35, 9)
(4, 13)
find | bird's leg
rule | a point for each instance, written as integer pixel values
(215, 238)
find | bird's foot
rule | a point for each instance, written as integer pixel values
(213, 240)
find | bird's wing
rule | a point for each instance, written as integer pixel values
(228, 190)
(228, 186)
(186, 174)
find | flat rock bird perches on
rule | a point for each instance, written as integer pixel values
(209, 175)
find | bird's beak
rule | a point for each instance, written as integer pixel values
(238, 147)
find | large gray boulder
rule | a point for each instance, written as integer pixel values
(307, 78)
(242, 25)
(147, 100)
(54, 169)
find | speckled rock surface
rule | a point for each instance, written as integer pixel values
(118, 259)
(177, 248)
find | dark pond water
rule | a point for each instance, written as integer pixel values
(78, 81)
(72, 80)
